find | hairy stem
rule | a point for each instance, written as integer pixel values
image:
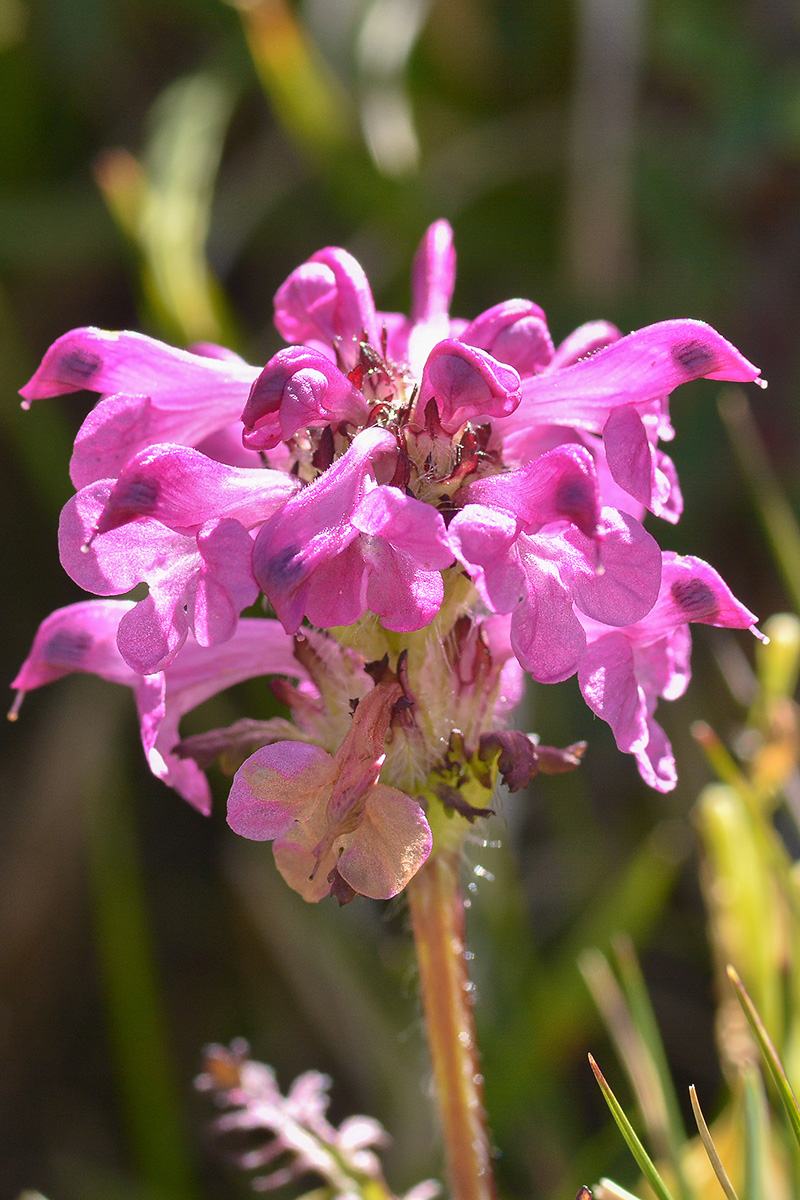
(437, 917)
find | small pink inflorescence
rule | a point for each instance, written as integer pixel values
(431, 508)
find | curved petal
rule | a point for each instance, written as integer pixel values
(389, 846)
(465, 385)
(104, 361)
(183, 489)
(299, 388)
(276, 786)
(514, 332)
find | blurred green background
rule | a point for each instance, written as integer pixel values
(163, 166)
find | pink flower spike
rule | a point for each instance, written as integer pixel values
(327, 303)
(465, 384)
(299, 389)
(183, 489)
(514, 332)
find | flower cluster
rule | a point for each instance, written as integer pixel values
(430, 507)
(291, 1134)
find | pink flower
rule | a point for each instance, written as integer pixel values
(331, 818)
(177, 521)
(152, 393)
(455, 501)
(83, 637)
(350, 541)
(624, 672)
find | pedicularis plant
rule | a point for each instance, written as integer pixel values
(432, 508)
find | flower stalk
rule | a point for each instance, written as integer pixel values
(437, 919)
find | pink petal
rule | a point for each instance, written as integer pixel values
(118, 427)
(618, 584)
(184, 489)
(609, 686)
(80, 637)
(327, 303)
(465, 385)
(584, 341)
(560, 485)
(299, 388)
(656, 762)
(643, 367)
(514, 332)
(314, 526)
(483, 540)
(389, 846)
(103, 361)
(546, 635)
(629, 453)
(433, 274)
(410, 526)
(398, 592)
(276, 786)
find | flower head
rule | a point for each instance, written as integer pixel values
(431, 505)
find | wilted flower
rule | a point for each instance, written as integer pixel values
(430, 507)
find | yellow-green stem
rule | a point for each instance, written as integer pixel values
(437, 917)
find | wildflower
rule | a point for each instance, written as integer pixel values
(296, 1137)
(429, 505)
(83, 637)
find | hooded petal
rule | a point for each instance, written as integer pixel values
(103, 361)
(183, 489)
(327, 303)
(299, 389)
(465, 385)
(514, 332)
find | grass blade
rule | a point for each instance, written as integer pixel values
(643, 1160)
(710, 1148)
(770, 1053)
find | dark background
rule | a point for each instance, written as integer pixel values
(163, 166)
